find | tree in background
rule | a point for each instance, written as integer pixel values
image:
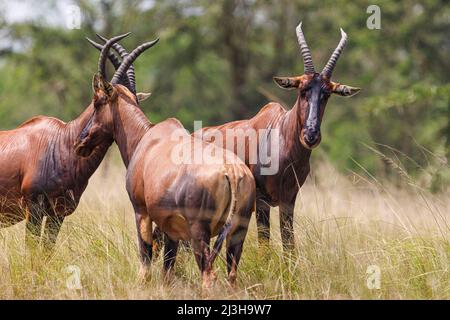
(215, 63)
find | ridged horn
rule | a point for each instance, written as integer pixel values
(328, 70)
(104, 54)
(128, 61)
(123, 54)
(112, 57)
(304, 49)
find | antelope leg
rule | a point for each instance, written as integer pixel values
(263, 223)
(287, 225)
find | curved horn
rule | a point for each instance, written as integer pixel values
(104, 53)
(123, 53)
(113, 58)
(328, 70)
(304, 49)
(126, 63)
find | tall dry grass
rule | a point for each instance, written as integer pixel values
(343, 225)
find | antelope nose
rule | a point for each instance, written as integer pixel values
(311, 136)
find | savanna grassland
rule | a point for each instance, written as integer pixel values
(346, 226)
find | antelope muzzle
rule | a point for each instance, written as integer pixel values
(311, 137)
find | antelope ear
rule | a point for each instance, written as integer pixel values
(101, 85)
(287, 82)
(343, 90)
(141, 96)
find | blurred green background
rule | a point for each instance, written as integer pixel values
(216, 60)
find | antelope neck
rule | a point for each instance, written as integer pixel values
(291, 129)
(130, 125)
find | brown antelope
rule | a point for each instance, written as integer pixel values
(188, 201)
(299, 133)
(42, 176)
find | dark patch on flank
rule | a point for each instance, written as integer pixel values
(186, 193)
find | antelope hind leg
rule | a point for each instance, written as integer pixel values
(170, 255)
(201, 238)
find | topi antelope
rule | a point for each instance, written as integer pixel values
(41, 174)
(186, 201)
(299, 133)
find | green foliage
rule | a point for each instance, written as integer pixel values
(215, 63)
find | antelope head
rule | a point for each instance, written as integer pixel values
(109, 95)
(129, 78)
(314, 89)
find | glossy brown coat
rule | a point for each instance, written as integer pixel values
(281, 188)
(41, 175)
(187, 201)
(299, 133)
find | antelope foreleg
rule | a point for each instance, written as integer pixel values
(263, 222)
(144, 233)
(51, 231)
(287, 225)
(34, 216)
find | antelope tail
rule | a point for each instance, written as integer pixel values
(227, 226)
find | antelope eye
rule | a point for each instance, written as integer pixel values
(99, 102)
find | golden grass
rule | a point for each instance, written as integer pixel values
(343, 225)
